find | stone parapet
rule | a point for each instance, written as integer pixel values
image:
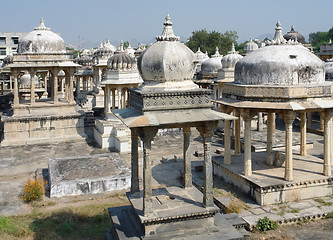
(277, 93)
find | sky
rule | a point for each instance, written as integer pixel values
(86, 23)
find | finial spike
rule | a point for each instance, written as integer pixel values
(167, 34)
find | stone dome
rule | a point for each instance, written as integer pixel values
(129, 50)
(250, 46)
(212, 65)
(8, 59)
(121, 61)
(105, 50)
(200, 56)
(293, 35)
(25, 81)
(84, 59)
(167, 64)
(329, 69)
(230, 60)
(281, 62)
(41, 40)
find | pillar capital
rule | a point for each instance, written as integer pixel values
(288, 116)
(247, 114)
(208, 129)
(147, 134)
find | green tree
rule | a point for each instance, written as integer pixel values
(126, 44)
(209, 40)
(318, 38)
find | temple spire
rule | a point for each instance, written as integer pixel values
(41, 26)
(167, 34)
(278, 37)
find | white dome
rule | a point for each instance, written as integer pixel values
(200, 56)
(250, 46)
(25, 81)
(167, 64)
(129, 50)
(41, 40)
(210, 66)
(281, 63)
(230, 60)
(329, 69)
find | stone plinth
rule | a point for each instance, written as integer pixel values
(175, 210)
(112, 133)
(266, 184)
(43, 125)
(87, 174)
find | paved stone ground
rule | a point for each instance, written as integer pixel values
(18, 163)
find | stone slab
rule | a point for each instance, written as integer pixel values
(87, 174)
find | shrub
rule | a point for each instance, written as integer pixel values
(265, 224)
(33, 190)
(234, 207)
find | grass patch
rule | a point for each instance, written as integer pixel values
(294, 211)
(322, 202)
(76, 222)
(329, 215)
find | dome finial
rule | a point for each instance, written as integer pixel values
(292, 28)
(167, 34)
(278, 37)
(233, 48)
(41, 25)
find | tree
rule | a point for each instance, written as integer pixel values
(208, 41)
(318, 38)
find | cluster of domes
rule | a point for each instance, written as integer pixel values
(167, 64)
(250, 46)
(281, 63)
(121, 60)
(41, 40)
(105, 50)
(84, 59)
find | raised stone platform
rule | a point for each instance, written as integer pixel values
(178, 214)
(267, 184)
(87, 174)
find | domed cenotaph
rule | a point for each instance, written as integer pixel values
(282, 78)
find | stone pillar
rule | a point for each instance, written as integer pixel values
(10, 83)
(206, 132)
(260, 123)
(84, 84)
(135, 187)
(237, 133)
(77, 85)
(32, 73)
(187, 157)
(303, 134)
(113, 98)
(70, 86)
(227, 138)
(269, 149)
(247, 116)
(119, 97)
(123, 98)
(309, 119)
(321, 121)
(55, 85)
(288, 118)
(16, 90)
(108, 98)
(147, 135)
(327, 144)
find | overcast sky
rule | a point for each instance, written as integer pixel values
(94, 21)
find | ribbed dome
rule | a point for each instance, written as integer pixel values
(293, 35)
(200, 56)
(250, 46)
(105, 49)
(121, 61)
(41, 40)
(230, 60)
(167, 61)
(84, 59)
(329, 69)
(25, 81)
(281, 63)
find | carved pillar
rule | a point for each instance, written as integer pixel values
(237, 133)
(113, 98)
(247, 116)
(288, 118)
(206, 133)
(227, 138)
(269, 149)
(70, 86)
(187, 157)
(108, 98)
(147, 135)
(77, 85)
(327, 143)
(309, 119)
(55, 85)
(134, 162)
(303, 134)
(16, 90)
(260, 123)
(32, 73)
(123, 93)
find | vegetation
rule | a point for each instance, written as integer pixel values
(88, 221)
(317, 38)
(33, 190)
(209, 40)
(234, 206)
(265, 224)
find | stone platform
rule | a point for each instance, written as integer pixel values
(267, 184)
(87, 174)
(178, 214)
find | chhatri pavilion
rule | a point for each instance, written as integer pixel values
(286, 79)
